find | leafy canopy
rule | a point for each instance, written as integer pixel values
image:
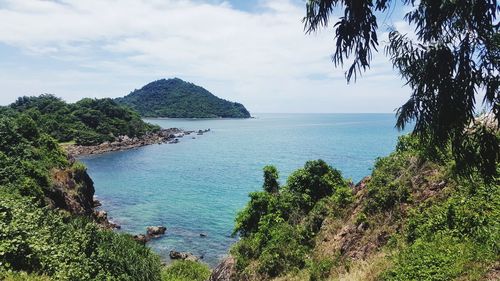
(456, 54)
(278, 224)
(86, 122)
(176, 98)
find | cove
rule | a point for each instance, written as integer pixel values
(198, 185)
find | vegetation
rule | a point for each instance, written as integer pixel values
(454, 56)
(186, 271)
(40, 243)
(178, 99)
(413, 219)
(87, 122)
(27, 156)
(278, 227)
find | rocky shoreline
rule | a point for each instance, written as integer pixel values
(121, 143)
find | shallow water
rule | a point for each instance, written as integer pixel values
(198, 185)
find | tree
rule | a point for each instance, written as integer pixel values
(455, 55)
(271, 176)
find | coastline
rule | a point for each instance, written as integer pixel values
(123, 143)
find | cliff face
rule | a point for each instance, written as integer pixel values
(72, 190)
(225, 271)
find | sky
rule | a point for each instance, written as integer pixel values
(253, 52)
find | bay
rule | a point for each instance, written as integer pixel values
(198, 185)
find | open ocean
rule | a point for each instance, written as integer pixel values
(198, 185)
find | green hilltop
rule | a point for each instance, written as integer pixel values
(86, 122)
(176, 98)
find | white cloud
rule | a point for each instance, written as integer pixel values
(262, 59)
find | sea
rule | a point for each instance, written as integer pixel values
(198, 185)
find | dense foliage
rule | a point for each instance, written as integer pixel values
(454, 56)
(41, 241)
(455, 235)
(430, 223)
(86, 122)
(278, 226)
(179, 99)
(186, 271)
(27, 156)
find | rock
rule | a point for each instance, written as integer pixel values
(362, 184)
(225, 271)
(100, 216)
(183, 256)
(96, 203)
(141, 238)
(71, 190)
(362, 226)
(155, 231)
(125, 142)
(191, 258)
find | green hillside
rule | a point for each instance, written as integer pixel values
(86, 122)
(47, 231)
(414, 218)
(176, 98)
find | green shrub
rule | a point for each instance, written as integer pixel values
(278, 227)
(320, 270)
(79, 167)
(185, 271)
(35, 239)
(22, 276)
(387, 187)
(315, 181)
(441, 259)
(317, 215)
(271, 176)
(283, 251)
(247, 220)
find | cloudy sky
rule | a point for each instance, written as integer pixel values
(254, 52)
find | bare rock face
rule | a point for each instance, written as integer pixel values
(362, 184)
(72, 190)
(225, 271)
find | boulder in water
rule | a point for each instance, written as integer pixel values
(155, 231)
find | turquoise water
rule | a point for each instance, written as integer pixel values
(198, 185)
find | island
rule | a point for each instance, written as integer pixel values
(175, 98)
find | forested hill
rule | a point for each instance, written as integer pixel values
(176, 98)
(86, 122)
